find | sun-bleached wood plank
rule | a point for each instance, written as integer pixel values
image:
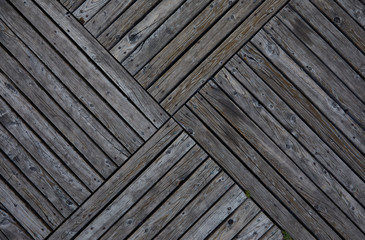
(88, 9)
(256, 228)
(71, 5)
(273, 234)
(117, 182)
(153, 69)
(176, 177)
(165, 32)
(9, 228)
(241, 174)
(221, 54)
(22, 213)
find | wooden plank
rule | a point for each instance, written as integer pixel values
(196, 207)
(54, 113)
(45, 130)
(317, 70)
(286, 131)
(9, 228)
(243, 176)
(117, 182)
(201, 177)
(36, 174)
(319, 98)
(256, 229)
(63, 97)
(22, 213)
(88, 9)
(273, 234)
(329, 32)
(28, 192)
(118, 20)
(236, 221)
(355, 8)
(221, 54)
(303, 107)
(343, 21)
(216, 214)
(84, 66)
(144, 28)
(297, 166)
(165, 32)
(157, 194)
(44, 156)
(323, 50)
(201, 49)
(153, 69)
(71, 5)
(137, 188)
(108, 64)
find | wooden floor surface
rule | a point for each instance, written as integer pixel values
(182, 119)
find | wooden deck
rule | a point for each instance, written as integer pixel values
(182, 119)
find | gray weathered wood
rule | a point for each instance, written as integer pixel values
(71, 5)
(88, 9)
(137, 188)
(63, 97)
(22, 213)
(302, 81)
(255, 229)
(165, 32)
(144, 28)
(117, 182)
(157, 194)
(208, 42)
(355, 8)
(197, 207)
(54, 113)
(242, 175)
(290, 159)
(323, 50)
(236, 221)
(117, 28)
(201, 177)
(273, 234)
(294, 99)
(9, 228)
(221, 54)
(30, 194)
(153, 69)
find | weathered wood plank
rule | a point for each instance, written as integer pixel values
(230, 201)
(319, 98)
(118, 27)
(54, 113)
(317, 70)
(220, 184)
(236, 221)
(22, 213)
(117, 182)
(298, 167)
(294, 99)
(46, 131)
(165, 32)
(28, 192)
(290, 129)
(63, 97)
(355, 8)
(255, 229)
(329, 32)
(221, 54)
(273, 234)
(185, 64)
(243, 176)
(44, 156)
(137, 188)
(343, 21)
(9, 228)
(153, 69)
(201, 177)
(79, 61)
(323, 50)
(157, 194)
(88, 9)
(71, 5)
(144, 28)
